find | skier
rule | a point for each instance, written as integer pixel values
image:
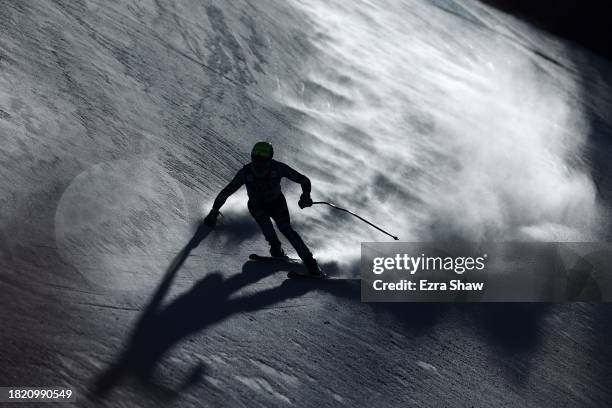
(262, 178)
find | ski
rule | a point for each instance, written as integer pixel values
(310, 276)
(290, 275)
(256, 257)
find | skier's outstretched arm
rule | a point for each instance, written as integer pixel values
(302, 180)
(231, 188)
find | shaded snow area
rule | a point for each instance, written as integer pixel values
(120, 121)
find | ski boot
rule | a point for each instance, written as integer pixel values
(313, 271)
(276, 251)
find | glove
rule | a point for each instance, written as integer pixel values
(305, 201)
(211, 218)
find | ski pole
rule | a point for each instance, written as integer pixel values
(353, 214)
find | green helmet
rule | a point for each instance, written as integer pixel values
(262, 150)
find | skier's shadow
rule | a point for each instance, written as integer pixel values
(207, 302)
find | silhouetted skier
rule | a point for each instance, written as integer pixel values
(262, 177)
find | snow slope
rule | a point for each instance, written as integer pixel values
(438, 119)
